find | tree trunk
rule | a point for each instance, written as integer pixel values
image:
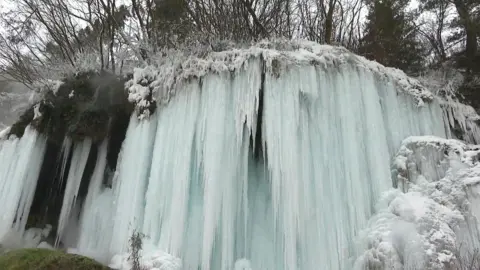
(469, 25)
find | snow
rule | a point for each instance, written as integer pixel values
(156, 260)
(31, 238)
(163, 78)
(435, 204)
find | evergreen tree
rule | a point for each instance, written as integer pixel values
(390, 36)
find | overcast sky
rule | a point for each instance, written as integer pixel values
(8, 4)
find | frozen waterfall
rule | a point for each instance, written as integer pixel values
(190, 180)
(277, 164)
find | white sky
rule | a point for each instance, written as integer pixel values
(8, 4)
(5, 5)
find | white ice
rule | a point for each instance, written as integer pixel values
(188, 180)
(20, 164)
(80, 154)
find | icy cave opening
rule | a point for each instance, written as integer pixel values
(260, 158)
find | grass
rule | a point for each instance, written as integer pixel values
(44, 259)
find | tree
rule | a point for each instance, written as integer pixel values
(455, 35)
(390, 36)
(46, 37)
(434, 28)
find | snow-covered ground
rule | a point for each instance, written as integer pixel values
(432, 216)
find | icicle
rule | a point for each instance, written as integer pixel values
(79, 160)
(17, 184)
(188, 179)
(66, 148)
(132, 181)
(96, 223)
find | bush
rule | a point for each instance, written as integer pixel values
(136, 244)
(44, 259)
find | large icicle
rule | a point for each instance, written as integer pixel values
(131, 183)
(79, 160)
(20, 164)
(96, 222)
(461, 121)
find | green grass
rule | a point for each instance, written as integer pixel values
(44, 259)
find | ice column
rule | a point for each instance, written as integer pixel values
(96, 222)
(20, 164)
(79, 160)
(130, 186)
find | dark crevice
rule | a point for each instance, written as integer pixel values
(257, 146)
(117, 134)
(457, 131)
(48, 198)
(88, 171)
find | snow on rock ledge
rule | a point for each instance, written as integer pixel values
(433, 216)
(161, 80)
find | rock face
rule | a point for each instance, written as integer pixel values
(81, 106)
(86, 106)
(44, 259)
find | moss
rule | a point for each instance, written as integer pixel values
(83, 106)
(92, 124)
(44, 259)
(81, 84)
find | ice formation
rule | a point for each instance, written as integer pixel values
(260, 158)
(17, 183)
(431, 219)
(461, 121)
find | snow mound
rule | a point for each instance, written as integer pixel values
(432, 217)
(31, 238)
(155, 260)
(162, 79)
(159, 260)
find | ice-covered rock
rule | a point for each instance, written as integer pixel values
(461, 121)
(432, 217)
